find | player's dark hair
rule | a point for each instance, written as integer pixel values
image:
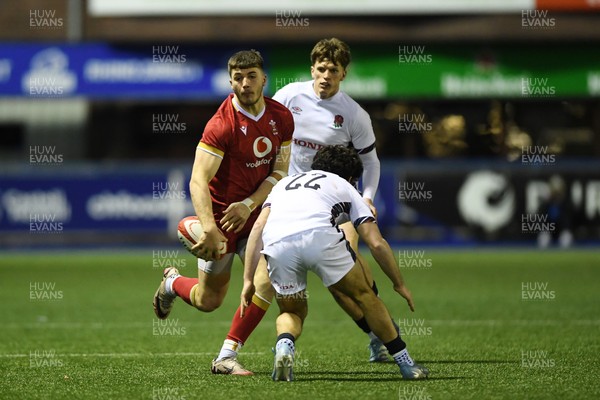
(333, 50)
(340, 160)
(245, 59)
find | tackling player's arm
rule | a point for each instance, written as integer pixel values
(238, 213)
(253, 248)
(370, 177)
(382, 253)
(363, 140)
(205, 167)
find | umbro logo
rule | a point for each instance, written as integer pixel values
(244, 129)
(296, 110)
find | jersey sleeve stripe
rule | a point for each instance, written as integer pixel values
(362, 220)
(212, 150)
(366, 149)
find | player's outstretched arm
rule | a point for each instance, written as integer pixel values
(238, 213)
(205, 168)
(369, 232)
(370, 178)
(253, 248)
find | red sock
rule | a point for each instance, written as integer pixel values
(182, 286)
(241, 328)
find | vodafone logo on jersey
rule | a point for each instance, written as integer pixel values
(262, 146)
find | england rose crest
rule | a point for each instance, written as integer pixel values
(338, 121)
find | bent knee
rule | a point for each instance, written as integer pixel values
(265, 291)
(207, 305)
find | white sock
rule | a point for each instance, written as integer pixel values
(229, 350)
(285, 342)
(169, 284)
(403, 357)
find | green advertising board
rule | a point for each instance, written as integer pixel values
(454, 71)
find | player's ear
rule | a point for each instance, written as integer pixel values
(264, 80)
(343, 75)
(312, 71)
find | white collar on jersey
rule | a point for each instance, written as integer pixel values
(246, 113)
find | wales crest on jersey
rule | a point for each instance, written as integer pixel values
(273, 127)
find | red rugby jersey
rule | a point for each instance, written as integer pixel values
(247, 145)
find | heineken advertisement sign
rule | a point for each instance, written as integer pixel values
(434, 71)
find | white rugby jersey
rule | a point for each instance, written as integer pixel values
(311, 200)
(337, 120)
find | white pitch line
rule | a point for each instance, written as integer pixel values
(107, 325)
(495, 322)
(192, 325)
(122, 355)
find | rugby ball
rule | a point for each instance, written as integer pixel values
(189, 231)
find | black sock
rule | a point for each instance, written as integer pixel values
(395, 346)
(374, 287)
(286, 336)
(362, 324)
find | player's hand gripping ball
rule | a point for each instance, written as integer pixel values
(189, 231)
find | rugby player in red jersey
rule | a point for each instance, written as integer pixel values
(243, 153)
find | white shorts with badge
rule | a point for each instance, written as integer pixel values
(323, 251)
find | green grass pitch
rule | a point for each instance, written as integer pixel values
(489, 324)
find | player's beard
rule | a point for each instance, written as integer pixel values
(247, 101)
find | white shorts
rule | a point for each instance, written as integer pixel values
(224, 264)
(323, 251)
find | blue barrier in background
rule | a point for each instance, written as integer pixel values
(437, 202)
(100, 70)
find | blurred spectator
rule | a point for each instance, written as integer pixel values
(559, 211)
